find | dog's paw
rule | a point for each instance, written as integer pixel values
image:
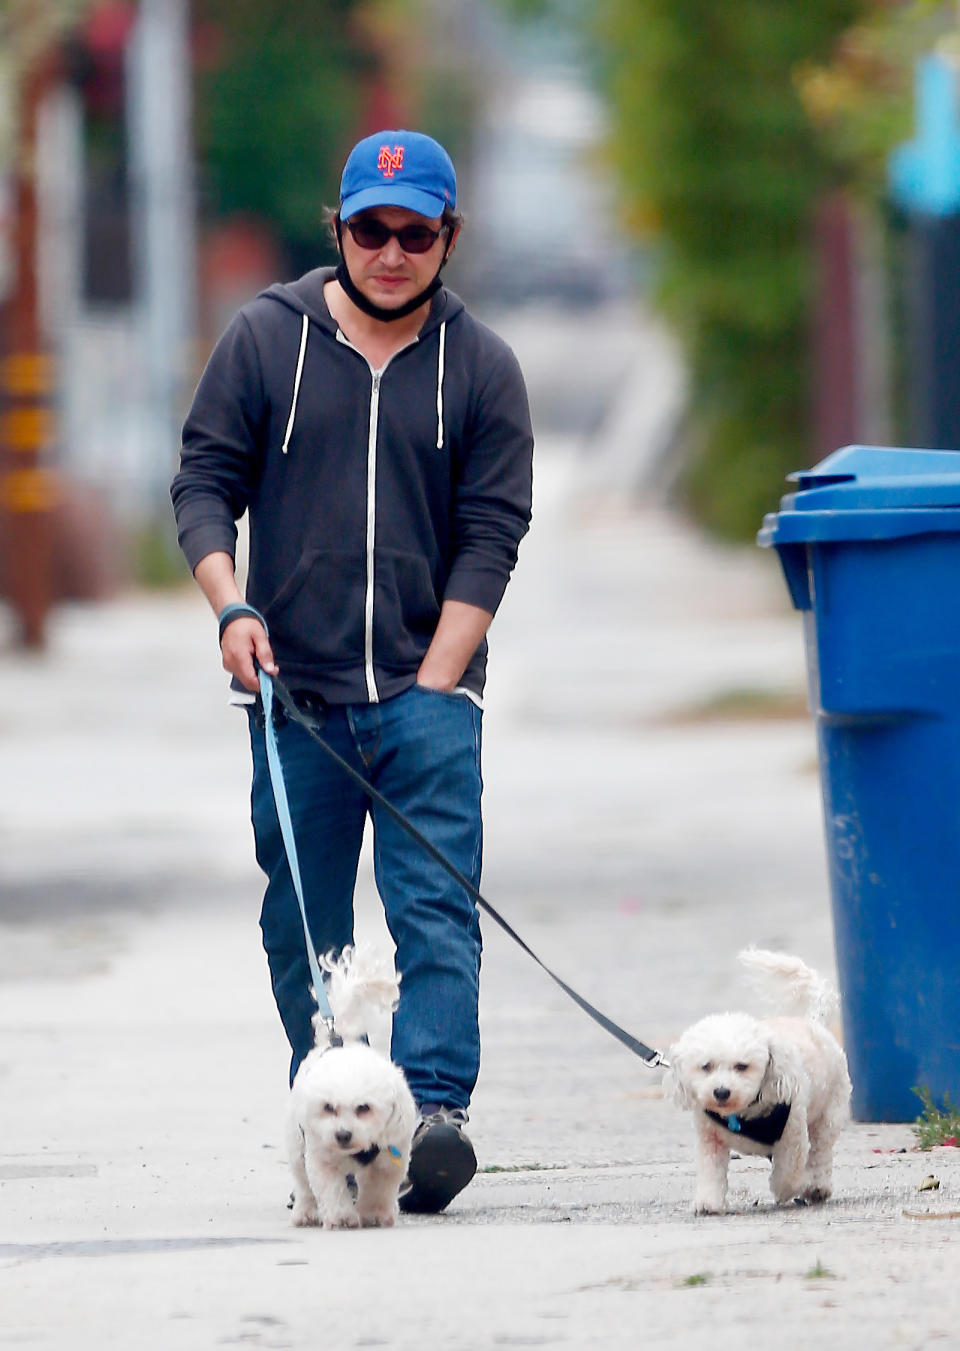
(341, 1220)
(814, 1196)
(305, 1215)
(708, 1208)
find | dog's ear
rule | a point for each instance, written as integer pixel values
(783, 1080)
(674, 1082)
(403, 1110)
(402, 1116)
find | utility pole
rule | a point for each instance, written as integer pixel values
(161, 174)
(28, 485)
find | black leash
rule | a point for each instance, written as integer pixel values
(647, 1054)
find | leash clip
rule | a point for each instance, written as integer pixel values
(333, 1036)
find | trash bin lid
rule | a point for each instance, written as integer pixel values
(869, 492)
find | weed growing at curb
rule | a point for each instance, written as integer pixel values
(818, 1272)
(936, 1125)
(745, 705)
(521, 1168)
(698, 1278)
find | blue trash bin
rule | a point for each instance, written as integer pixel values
(870, 548)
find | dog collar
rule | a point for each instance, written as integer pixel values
(366, 1156)
(762, 1130)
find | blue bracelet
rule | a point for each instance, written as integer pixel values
(237, 609)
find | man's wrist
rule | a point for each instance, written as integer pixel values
(239, 609)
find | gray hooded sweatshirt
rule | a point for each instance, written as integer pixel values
(373, 496)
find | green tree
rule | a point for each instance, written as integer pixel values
(285, 89)
(279, 96)
(861, 100)
(720, 167)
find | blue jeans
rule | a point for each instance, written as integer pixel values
(421, 750)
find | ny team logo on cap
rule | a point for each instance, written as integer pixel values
(398, 168)
(389, 162)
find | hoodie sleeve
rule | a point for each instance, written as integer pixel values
(492, 508)
(220, 458)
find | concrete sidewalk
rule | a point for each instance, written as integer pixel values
(637, 835)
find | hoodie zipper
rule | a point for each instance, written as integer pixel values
(376, 376)
(372, 692)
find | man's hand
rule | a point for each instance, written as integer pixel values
(459, 633)
(244, 639)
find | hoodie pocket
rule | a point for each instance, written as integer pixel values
(406, 607)
(317, 615)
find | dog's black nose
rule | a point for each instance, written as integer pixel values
(721, 1094)
(343, 1137)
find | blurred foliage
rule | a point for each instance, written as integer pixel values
(720, 167)
(279, 97)
(525, 10)
(155, 560)
(285, 90)
(27, 30)
(860, 100)
(27, 27)
(861, 103)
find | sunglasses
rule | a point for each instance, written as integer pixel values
(373, 234)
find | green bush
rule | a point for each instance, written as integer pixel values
(278, 102)
(718, 161)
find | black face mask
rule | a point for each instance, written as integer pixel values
(386, 316)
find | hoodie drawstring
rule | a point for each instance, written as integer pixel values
(296, 384)
(443, 338)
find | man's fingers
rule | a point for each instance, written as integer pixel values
(239, 662)
(265, 653)
(244, 640)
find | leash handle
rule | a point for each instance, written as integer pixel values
(650, 1057)
(289, 841)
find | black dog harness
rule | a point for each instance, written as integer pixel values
(762, 1130)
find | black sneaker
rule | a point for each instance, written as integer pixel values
(442, 1161)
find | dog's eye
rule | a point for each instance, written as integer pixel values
(707, 1068)
(329, 1108)
(362, 1109)
(741, 1068)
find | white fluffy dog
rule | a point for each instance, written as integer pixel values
(777, 1087)
(351, 1117)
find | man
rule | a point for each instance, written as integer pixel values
(379, 438)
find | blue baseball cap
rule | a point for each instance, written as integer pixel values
(398, 168)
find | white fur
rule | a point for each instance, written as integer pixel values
(347, 1100)
(734, 1064)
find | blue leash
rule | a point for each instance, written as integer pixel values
(290, 844)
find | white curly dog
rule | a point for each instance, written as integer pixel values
(351, 1115)
(777, 1087)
